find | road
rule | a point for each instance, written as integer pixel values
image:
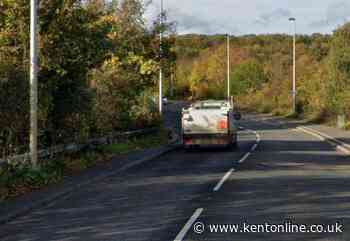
(289, 176)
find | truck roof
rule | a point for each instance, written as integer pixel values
(211, 104)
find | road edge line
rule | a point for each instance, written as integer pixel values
(339, 145)
(311, 133)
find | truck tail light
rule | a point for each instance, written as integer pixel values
(188, 141)
(223, 124)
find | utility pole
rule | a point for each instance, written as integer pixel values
(172, 83)
(33, 146)
(294, 92)
(160, 61)
(228, 68)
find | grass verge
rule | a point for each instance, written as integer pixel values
(15, 181)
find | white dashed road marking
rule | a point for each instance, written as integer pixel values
(188, 225)
(181, 235)
(223, 180)
(243, 159)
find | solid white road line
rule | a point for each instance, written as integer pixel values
(340, 143)
(312, 134)
(319, 133)
(188, 225)
(342, 148)
(223, 180)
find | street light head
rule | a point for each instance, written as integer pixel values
(292, 19)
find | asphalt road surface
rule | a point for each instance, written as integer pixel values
(287, 177)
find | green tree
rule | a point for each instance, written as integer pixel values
(78, 41)
(339, 70)
(247, 76)
(14, 45)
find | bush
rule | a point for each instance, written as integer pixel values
(15, 180)
(124, 97)
(144, 113)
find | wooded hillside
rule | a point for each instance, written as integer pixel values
(261, 71)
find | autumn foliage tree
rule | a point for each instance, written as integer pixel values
(98, 63)
(338, 84)
(261, 71)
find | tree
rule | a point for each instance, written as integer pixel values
(14, 45)
(339, 70)
(247, 76)
(85, 47)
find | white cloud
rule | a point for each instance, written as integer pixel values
(273, 16)
(253, 16)
(336, 13)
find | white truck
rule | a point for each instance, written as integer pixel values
(207, 123)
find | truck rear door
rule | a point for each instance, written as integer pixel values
(206, 121)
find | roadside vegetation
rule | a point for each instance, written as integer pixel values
(98, 74)
(17, 181)
(98, 70)
(137, 143)
(261, 72)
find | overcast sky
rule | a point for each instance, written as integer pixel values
(240, 17)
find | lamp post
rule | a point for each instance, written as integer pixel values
(228, 68)
(160, 61)
(294, 93)
(33, 145)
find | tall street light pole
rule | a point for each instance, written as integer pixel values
(161, 62)
(294, 93)
(228, 67)
(33, 145)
